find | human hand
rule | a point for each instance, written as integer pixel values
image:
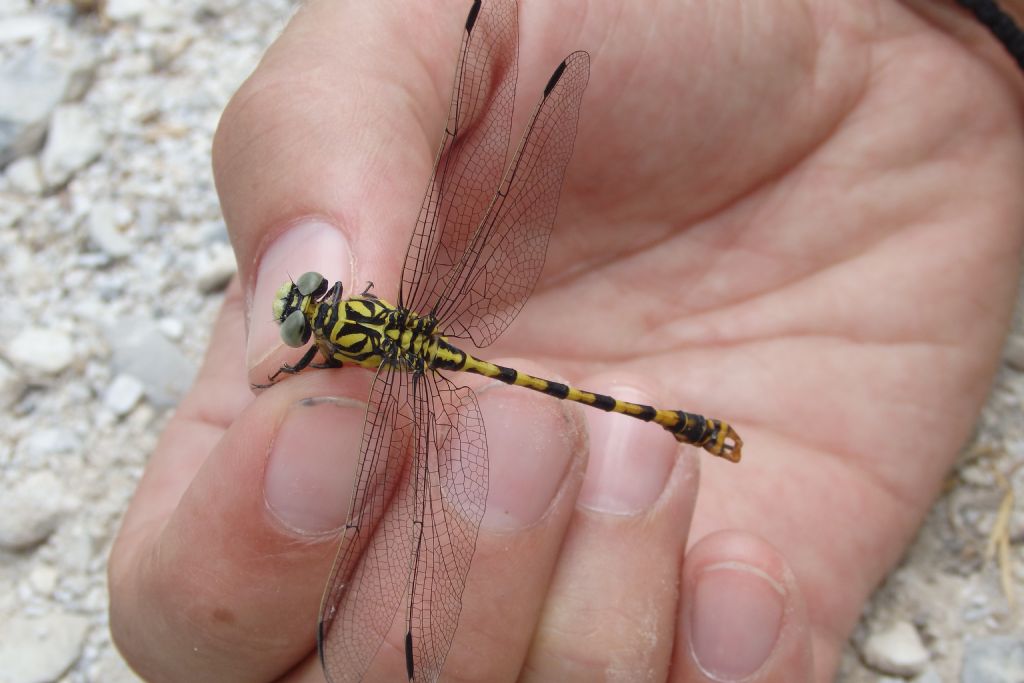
(799, 220)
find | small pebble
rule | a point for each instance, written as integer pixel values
(27, 29)
(74, 141)
(141, 349)
(31, 511)
(126, 10)
(25, 176)
(999, 659)
(44, 442)
(40, 349)
(111, 668)
(12, 385)
(43, 579)
(172, 328)
(40, 649)
(1014, 352)
(105, 222)
(216, 272)
(33, 84)
(896, 650)
(122, 394)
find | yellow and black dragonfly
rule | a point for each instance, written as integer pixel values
(474, 258)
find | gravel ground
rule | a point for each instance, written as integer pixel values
(106, 119)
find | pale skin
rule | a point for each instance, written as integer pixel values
(802, 217)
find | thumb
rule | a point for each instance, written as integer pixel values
(218, 568)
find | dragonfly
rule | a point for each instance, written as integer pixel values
(476, 252)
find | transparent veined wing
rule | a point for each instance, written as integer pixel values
(471, 157)
(420, 495)
(505, 256)
(371, 572)
(453, 495)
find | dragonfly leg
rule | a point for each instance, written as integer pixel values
(366, 292)
(333, 295)
(290, 369)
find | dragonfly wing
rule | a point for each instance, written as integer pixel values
(454, 476)
(371, 572)
(506, 254)
(472, 154)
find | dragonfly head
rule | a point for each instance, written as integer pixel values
(292, 301)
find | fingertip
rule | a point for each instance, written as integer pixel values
(631, 462)
(534, 442)
(744, 617)
(310, 244)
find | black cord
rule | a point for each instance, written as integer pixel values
(1001, 24)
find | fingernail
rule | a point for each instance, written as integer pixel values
(735, 620)
(307, 484)
(630, 461)
(311, 244)
(532, 442)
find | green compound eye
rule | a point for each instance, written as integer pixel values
(294, 330)
(311, 283)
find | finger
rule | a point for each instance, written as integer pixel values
(742, 617)
(537, 449)
(323, 152)
(611, 608)
(537, 457)
(218, 568)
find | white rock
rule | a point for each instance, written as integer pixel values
(127, 10)
(1014, 352)
(40, 649)
(31, 511)
(45, 442)
(74, 141)
(32, 85)
(110, 668)
(105, 222)
(41, 349)
(215, 273)
(43, 579)
(25, 176)
(896, 650)
(77, 550)
(996, 659)
(122, 394)
(29, 28)
(172, 328)
(11, 211)
(141, 349)
(12, 385)
(160, 18)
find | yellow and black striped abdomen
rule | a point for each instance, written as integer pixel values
(714, 436)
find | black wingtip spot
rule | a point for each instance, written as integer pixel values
(473, 12)
(408, 641)
(554, 78)
(320, 643)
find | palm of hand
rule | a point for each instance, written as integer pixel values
(803, 234)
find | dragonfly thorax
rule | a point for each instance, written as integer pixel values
(364, 329)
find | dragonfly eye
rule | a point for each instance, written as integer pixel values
(311, 284)
(294, 330)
